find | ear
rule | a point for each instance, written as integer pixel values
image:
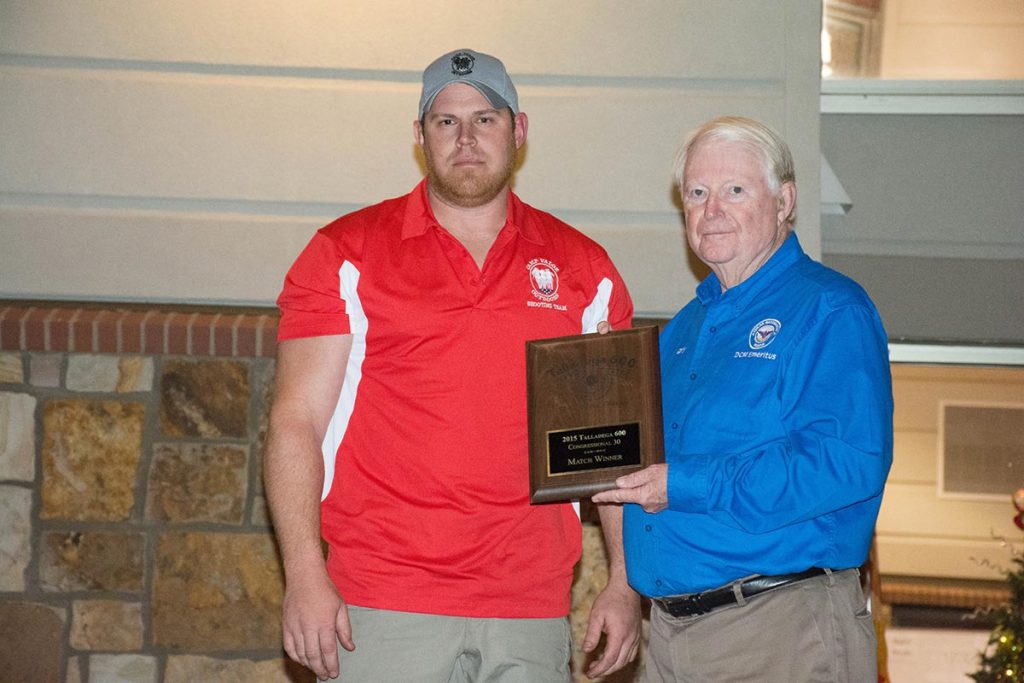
(787, 201)
(521, 124)
(417, 133)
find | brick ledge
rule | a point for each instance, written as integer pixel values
(167, 330)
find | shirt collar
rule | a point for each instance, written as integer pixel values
(419, 216)
(710, 290)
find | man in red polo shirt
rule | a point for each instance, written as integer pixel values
(398, 431)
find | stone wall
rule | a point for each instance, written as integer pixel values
(136, 544)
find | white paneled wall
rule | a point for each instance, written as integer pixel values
(923, 533)
(949, 39)
(185, 151)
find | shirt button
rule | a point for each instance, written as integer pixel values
(657, 582)
(675, 425)
(693, 375)
(647, 527)
(713, 329)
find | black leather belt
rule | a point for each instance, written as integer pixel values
(701, 603)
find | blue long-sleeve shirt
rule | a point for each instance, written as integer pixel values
(777, 402)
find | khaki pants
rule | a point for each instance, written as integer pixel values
(426, 648)
(815, 630)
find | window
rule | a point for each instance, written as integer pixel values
(923, 39)
(960, 57)
(957, 461)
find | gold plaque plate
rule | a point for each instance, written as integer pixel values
(594, 411)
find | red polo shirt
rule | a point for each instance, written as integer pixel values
(426, 497)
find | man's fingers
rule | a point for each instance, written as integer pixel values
(607, 664)
(343, 628)
(604, 664)
(593, 635)
(613, 496)
(639, 478)
(627, 653)
(632, 488)
(637, 495)
(314, 657)
(595, 628)
(612, 658)
(329, 651)
(300, 651)
(636, 479)
(631, 480)
(600, 666)
(597, 667)
(289, 647)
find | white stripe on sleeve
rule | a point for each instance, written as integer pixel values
(348, 281)
(598, 308)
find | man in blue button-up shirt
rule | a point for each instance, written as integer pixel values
(778, 438)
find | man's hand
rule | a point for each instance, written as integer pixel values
(310, 374)
(648, 488)
(315, 619)
(616, 613)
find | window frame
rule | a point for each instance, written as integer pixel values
(888, 96)
(956, 354)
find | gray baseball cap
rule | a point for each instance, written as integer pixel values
(484, 72)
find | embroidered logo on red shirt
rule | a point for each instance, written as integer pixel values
(543, 279)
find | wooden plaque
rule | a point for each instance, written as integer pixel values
(594, 411)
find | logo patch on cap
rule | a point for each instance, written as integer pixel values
(462, 63)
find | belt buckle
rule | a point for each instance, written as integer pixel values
(687, 605)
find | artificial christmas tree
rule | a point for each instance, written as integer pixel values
(1003, 658)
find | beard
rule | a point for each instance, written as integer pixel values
(470, 187)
